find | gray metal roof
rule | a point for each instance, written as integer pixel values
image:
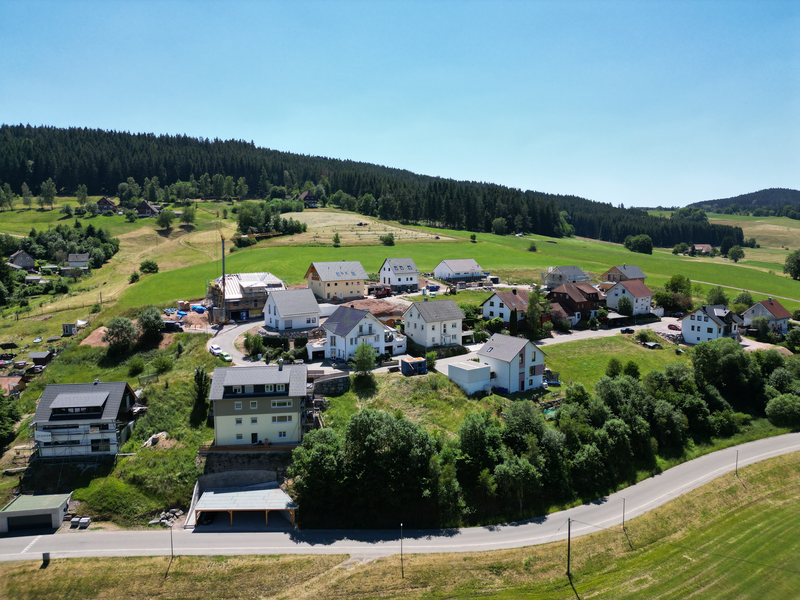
(116, 392)
(295, 303)
(343, 319)
(26, 502)
(293, 375)
(631, 271)
(80, 400)
(44, 354)
(437, 310)
(462, 265)
(716, 313)
(401, 266)
(503, 347)
(219, 499)
(78, 257)
(571, 271)
(345, 270)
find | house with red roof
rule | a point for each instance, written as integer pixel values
(577, 300)
(500, 304)
(636, 291)
(772, 310)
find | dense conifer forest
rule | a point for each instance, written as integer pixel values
(101, 160)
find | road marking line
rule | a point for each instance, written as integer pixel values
(28, 547)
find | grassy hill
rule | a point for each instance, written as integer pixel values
(732, 538)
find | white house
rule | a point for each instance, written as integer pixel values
(76, 420)
(500, 304)
(434, 323)
(517, 364)
(464, 269)
(347, 328)
(772, 310)
(401, 274)
(710, 323)
(287, 310)
(78, 260)
(634, 290)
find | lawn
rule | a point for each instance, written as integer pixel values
(585, 361)
(731, 538)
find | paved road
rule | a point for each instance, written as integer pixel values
(605, 512)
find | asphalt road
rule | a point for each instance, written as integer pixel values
(605, 512)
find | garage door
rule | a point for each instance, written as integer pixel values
(30, 522)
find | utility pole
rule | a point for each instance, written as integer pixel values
(623, 513)
(569, 543)
(402, 569)
(736, 473)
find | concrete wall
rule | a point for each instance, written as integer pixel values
(332, 386)
(234, 479)
(470, 376)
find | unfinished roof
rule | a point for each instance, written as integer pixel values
(343, 320)
(437, 310)
(462, 265)
(116, 391)
(295, 303)
(401, 266)
(571, 272)
(244, 499)
(345, 270)
(237, 285)
(630, 271)
(503, 347)
(36, 502)
(293, 375)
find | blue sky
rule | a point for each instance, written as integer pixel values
(642, 103)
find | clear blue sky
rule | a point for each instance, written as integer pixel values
(638, 102)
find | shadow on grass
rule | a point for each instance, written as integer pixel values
(365, 386)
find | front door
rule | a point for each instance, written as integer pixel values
(341, 295)
(521, 382)
(253, 438)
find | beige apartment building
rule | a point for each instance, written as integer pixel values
(341, 280)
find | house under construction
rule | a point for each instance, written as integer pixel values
(241, 296)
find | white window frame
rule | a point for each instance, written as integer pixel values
(253, 404)
(281, 404)
(237, 405)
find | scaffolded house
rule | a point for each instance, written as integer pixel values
(243, 295)
(79, 420)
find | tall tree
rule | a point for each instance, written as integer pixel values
(81, 194)
(48, 192)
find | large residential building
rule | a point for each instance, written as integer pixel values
(434, 323)
(556, 276)
(773, 311)
(623, 272)
(455, 270)
(500, 305)
(710, 323)
(401, 274)
(245, 294)
(637, 292)
(347, 328)
(22, 259)
(340, 280)
(258, 405)
(288, 310)
(577, 300)
(75, 420)
(517, 364)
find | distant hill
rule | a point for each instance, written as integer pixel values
(772, 198)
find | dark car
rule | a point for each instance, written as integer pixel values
(627, 330)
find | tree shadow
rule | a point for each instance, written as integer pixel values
(188, 227)
(165, 233)
(365, 386)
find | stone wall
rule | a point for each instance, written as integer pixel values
(332, 385)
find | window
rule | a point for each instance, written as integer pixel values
(491, 303)
(329, 285)
(705, 319)
(352, 341)
(253, 420)
(101, 445)
(281, 404)
(237, 405)
(238, 420)
(282, 419)
(280, 387)
(238, 436)
(433, 327)
(253, 404)
(268, 388)
(521, 358)
(248, 389)
(710, 330)
(237, 389)
(333, 340)
(281, 434)
(692, 317)
(502, 305)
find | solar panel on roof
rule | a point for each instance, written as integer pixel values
(80, 400)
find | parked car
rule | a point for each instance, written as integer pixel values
(626, 330)
(215, 350)
(674, 327)
(226, 357)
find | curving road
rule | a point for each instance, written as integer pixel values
(605, 512)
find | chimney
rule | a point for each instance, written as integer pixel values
(514, 291)
(280, 364)
(96, 381)
(770, 300)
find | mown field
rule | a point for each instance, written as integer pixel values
(732, 538)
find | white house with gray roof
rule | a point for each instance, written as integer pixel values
(516, 364)
(347, 328)
(710, 323)
(255, 405)
(340, 280)
(401, 274)
(462, 269)
(75, 420)
(434, 323)
(289, 310)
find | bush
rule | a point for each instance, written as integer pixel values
(784, 411)
(134, 277)
(430, 360)
(162, 364)
(96, 308)
(388, 239)
(135, 366)
(148, 266)
(532, 247)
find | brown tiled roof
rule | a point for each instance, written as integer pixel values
(512, 300)
(586, 289)
(555, 306)
(776, 309)
(636, 288)
(570, 290)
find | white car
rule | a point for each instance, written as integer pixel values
(215, 350)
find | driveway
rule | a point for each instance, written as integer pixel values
(224, 336)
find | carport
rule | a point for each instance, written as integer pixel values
(43, 511)
(231, 500)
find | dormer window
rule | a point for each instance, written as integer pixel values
(236, 389)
